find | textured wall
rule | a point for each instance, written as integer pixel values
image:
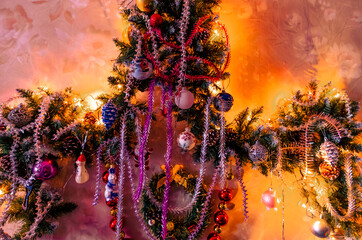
(277, 46)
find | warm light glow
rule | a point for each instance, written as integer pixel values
(92, 100)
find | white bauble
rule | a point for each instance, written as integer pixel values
(184, 99)
(186, 140)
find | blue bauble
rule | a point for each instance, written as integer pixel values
(109, 114)
(142, 69)
(223, 102)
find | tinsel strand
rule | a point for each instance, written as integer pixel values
(121, 178)
(222, 151)
(350, 195)
(167, 165)
(243, 188)
(66, 129)
(203, 214)
(135, 203)
(144, 139)
(183, 27)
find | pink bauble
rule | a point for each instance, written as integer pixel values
(268, 198)
(186, 140)
(184, 99)
(46, 169)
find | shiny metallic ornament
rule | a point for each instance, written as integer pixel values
(151, 222)
(223, 102)
(230, 176)
(268, 198)
(145, 5)
(186, 140)
(170, 226)
(142, 69)
(20, 116)
(329, 171)
(320, 228)
(109, 114)
(184, 99)
(217, 229)
(258, 153)
(222, 206)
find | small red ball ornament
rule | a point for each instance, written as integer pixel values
(156, 20)
(113, 223)
(213, 236)
(221, 218)
(268, 198)
(112, 203)
(226, 195)
(105, 177)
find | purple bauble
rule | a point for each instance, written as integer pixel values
(46, 169)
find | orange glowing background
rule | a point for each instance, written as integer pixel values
(276, 47)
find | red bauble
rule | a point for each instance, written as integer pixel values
(112, 203)
(156, 20)
(221, 218)
(105, 177)
(113, 223)
(213, 236)
(268, 198)
(226, 195)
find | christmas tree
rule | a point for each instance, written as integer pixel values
(176, 53)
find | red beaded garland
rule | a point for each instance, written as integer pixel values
(221, 218)
(213, 236)
(156, 20)
(113, 223)
(105, 177)
(226, 195)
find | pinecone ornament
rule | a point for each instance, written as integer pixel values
(5, 163)
(204, 34)
(71, 145)
(109, 114)
(329, 171)
(213, 137)
(89, 119)
(258, 153)
(19, 116)
(329, 152)
(230, 136)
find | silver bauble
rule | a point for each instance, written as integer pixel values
(320, 228)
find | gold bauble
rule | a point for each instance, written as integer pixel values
(122, 235)
(170, 226)
(222, 206)
(126, 35)
(145, 5)
(230, 176)
(114, 211)
(217, 229)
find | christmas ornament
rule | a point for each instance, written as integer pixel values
(46, 169)
(89, 119)
(186, 140)
(268, 198)
(156, 20)
(329, 152)
(111, 191)
(223, 102)
(151, 222)
(204, 34)
(20, 116)
(213, 236)
(105, 176)
(71, 145)
(142, 69)
(213, 137)
(221, 218)
(170, 226)
(320, 228)
(230, 176)
(258, 153)
(81, 175)
(113, 224)
(109, 114)
(222, 206)
(184, 99)
(217, 229)
(112, 203)
(329, 171)
(147, 155)
(114, 211)
(145, 5)
(127, 34)
(225, 195)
